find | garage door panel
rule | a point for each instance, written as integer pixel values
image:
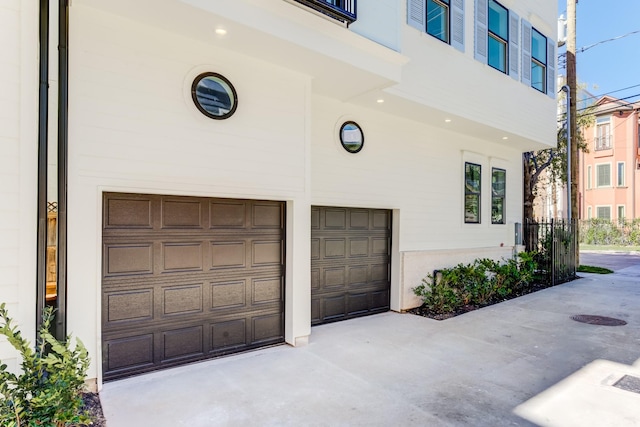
(182, 256)
(183, 342)
(128, 306)
(183, 300)
(128, 259)
(207, 279)
(350, 263)
(126, 353)
(229, 334)
(179, 213)
(127, 213)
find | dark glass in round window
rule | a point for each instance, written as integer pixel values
(214, 96)
(351, 137)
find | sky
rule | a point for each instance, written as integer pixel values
(613, 65)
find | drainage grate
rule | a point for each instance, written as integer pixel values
(598, 320)
(629, 383)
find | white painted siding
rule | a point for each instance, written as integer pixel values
(380, 21)
(18, 123)
(134, 128)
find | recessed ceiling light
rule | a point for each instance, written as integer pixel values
(380, 101)
(447, 120)
(505, 137)
(221, 31)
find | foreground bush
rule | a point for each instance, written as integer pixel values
(480, 283)
(48, 391)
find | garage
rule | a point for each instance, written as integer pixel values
(350, 263)
(187, 278)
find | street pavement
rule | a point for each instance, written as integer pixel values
(523, 362)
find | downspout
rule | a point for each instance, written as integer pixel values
(63, 116)
(43, 128)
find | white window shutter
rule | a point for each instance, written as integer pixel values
(416, 14)
(514, 55)
(481, 30)
(457, 24)
(525, 45)
(551, 69)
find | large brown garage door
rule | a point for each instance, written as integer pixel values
(187, 278)
(350, 254)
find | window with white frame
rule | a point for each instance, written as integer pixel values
(472, 191)
(498, 187)
(603, 212)
(589, 212)
(442, 19)
(602, 140)
(603, 175)
(621, 174)
(589, 177)
(538, 61)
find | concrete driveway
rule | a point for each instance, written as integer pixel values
(519, 363)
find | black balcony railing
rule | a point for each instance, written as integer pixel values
(341, 10)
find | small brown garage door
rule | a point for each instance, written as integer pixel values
(187, 278)
(350, 255)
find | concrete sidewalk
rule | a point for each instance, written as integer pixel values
(516, 363)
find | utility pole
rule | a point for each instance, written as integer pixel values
(573, 127)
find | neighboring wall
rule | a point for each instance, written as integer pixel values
(18, 142)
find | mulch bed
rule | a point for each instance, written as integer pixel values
(94, 409)
(424, 312)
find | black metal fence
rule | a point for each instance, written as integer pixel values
(556, 245)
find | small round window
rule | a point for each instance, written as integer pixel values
(214, 96)
(351, 137)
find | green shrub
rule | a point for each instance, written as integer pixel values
(48, 391)
(480, 283)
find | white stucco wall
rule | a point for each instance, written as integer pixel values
(18, 163)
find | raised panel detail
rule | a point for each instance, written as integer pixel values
(334, 276)
(183, 299)
(315, 248)
(358, 303)
(267, 290)
(335, 219)
(229, 334)
(335, 307)
(227, 214)
(359, 247)
(128, 213)
(335, 248)
(130, 305)
(129, 259)
(130, 352)
(267, 216)
(358, 275)
(182, 256)
(315, 219)
(228, 294)
(228, 254)
(181, 214)
(380, 300)
(359, 220)
(265, 253)
(268, 327)
(381, 220)
(183, 342)
(315, 278)
(380, 272)
(380, 246)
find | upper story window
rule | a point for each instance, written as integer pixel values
(538, 61)
(498, 36)
(511, 45)
(442, 19)
(602, 139)
(340, 10)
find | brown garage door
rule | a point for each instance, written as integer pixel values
(350, 254)
(187, 278)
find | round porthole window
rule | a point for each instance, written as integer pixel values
(214, 96)
(351, 137)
